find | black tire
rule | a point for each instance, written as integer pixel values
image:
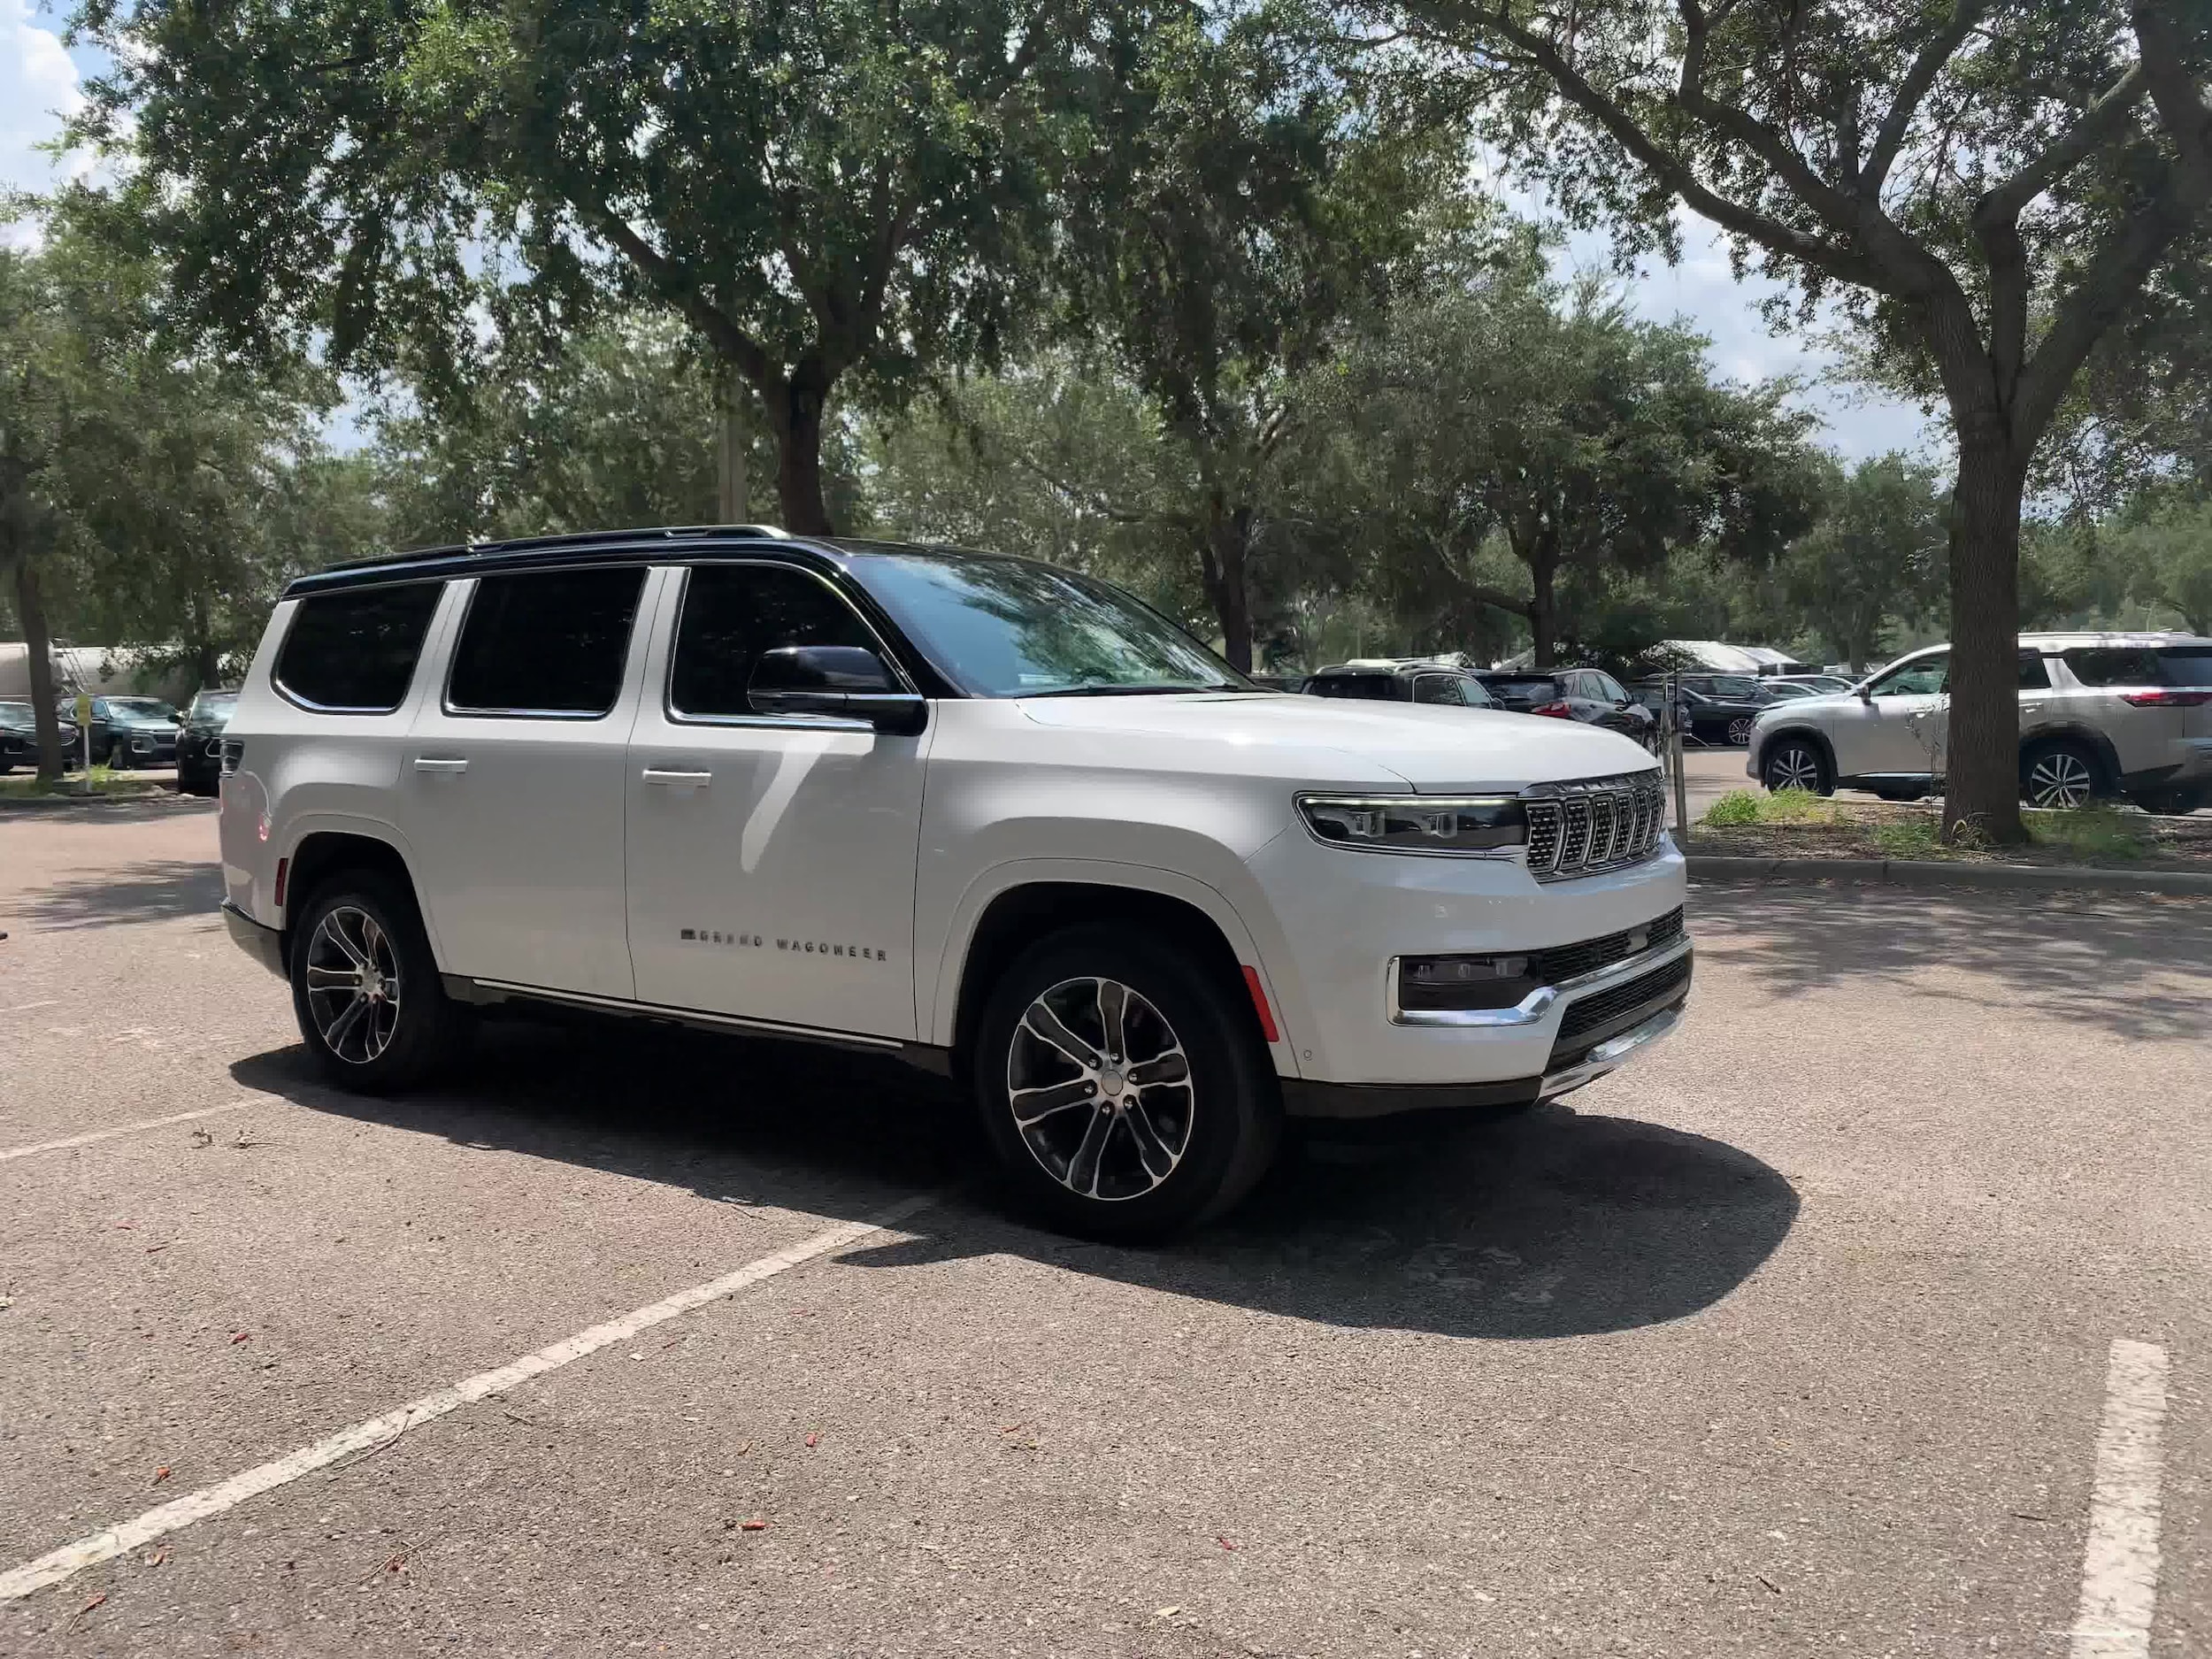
(2168, 802)
(1891, 792)
(2060, 771)
(1227, 1105)
(407, 1028)
(1740, 732)
(1790, 758)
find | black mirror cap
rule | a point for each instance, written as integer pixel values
(846, 681)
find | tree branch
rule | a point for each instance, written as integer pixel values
(2098, 123)
(2110, 285)
(1843, 263)
(2181, 107)
(675, 285)
(1926, 66)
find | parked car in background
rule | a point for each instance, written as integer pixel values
(2100, 714)
(133, 732)
(18, 738)
(1589, 695)
(1715, 709)
(200, 743)
(1820, 685)
(1400, 679)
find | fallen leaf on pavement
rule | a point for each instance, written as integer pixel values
(813, 1440)
(201, 1138)
(241, 1337)
(87, 1606)
(156, 1558)
(752, 1526)
(160, 1475)
(125, 1226)
(1224, 1543)
(1167, 1612)
(153, 1248)
(1769, 1584)
(1013, 1428)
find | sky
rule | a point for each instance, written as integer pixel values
(40, 80)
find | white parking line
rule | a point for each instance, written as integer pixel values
(121, 1129)
(2119, 1565)
(380, 1431)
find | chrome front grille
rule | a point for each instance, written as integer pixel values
(1580, 829)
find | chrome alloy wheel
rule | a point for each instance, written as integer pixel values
(2059, 779)
(353, 984)
(1740, 732)
(1101, 1089)
(1793, 766)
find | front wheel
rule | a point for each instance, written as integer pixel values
(1126, 1093)
(1795, 762)
(365, 989)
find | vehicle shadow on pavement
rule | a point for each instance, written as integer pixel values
(1558, 1223)
(157, 891)
(2140, 966)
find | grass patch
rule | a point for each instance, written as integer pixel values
(1741, 807)
(99, 780)
(1913, 840)
(2093, 834)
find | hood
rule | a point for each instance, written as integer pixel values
(1433, 748)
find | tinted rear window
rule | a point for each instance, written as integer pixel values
(1546, 691)
(547, 642)
(2141, 665)
(1370, 687)
(354, 652)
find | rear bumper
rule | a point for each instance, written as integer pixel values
(265, 945)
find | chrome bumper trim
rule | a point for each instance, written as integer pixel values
(1536, 1006)
(1611, 1054)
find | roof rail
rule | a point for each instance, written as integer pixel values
(574, 538)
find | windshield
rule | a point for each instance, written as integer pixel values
(1005, 627)
(143, 708)
(1730, 686)
(215, 703)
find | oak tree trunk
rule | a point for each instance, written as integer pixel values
(1982, 793)
(30, 611)
(1223, 571)
(797, 406)
(734, 501)
(1543, 610)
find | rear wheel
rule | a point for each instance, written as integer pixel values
(1126, 1093)
(2061, 773)
(365, 989)
(1796, 762)
(1739, 730)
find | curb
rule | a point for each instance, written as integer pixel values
(65, 803)
(1912, 872)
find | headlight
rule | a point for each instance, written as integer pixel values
(1484, 823)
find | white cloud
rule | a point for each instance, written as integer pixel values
(39, 89)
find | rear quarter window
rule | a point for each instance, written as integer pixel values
(354, 652)
(2141, 665)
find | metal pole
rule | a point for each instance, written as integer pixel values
(1674, 757)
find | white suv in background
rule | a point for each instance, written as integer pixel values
(984, 814)
(2100, 714)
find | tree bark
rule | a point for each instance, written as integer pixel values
(1543, 610)
(1224, 574)
(796, 405)
(31, 612)
(1981, 791)
(733, 500)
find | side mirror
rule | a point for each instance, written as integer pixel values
(176, 719)
(1862, 694)
(844, 681)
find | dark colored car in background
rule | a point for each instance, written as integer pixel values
(1400, 680)
(1716, 709)
(18, 738)
(200, 744)
(1589, 695)
(133, 732)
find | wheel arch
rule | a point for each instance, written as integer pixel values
(2101, 749)
(322, 852)
(1812, 734)
(1030, 903)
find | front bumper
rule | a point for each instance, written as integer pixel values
(146, 749)
(265, 945)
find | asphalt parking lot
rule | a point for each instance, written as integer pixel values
(1797, 1339)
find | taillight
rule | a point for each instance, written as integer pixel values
(1564, 710)
(2166, 699)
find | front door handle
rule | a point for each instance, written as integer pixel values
(440, 763)
(692, 780)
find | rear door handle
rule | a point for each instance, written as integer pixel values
(426, 763)
(656, 774)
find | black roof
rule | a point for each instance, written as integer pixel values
(645, 545)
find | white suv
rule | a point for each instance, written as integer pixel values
(2100, 714)
(994, 817)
